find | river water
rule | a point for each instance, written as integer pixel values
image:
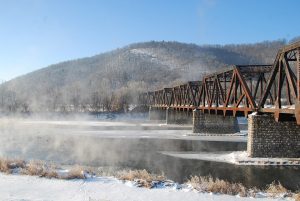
(133, 144)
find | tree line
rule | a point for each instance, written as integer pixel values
(112, 81)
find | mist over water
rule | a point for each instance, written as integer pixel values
(128, 143)
(87, 142)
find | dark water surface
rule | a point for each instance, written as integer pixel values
(53, 143)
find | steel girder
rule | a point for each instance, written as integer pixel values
(281, 95)
(241, 89)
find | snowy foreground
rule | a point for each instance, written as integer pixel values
(30, 188)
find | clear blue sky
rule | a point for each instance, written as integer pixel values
(37, 33)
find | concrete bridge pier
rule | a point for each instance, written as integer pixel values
(214, 124)
(178, 116)
(268, 138)
(157, 113)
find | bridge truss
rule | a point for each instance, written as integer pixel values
(239, 90)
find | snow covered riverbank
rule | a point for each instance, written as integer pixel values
(31, 188)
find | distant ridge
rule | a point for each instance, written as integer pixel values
(111, 81)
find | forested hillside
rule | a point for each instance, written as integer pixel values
(112, 80)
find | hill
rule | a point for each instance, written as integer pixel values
(112, 80)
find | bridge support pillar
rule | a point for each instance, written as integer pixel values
(178, 117)
(214, 124)
(157, 113)
(268, 138)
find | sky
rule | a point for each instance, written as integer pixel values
(38, 33)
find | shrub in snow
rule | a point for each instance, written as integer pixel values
(297, 197)
(75, 173)
(8, 165)
(277, 190)
(208, 184)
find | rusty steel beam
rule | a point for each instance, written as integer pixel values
(297, 105)
(242, 89)
(290, 47)
(283, 85)
(216, 93)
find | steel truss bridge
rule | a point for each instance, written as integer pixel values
(239, 90)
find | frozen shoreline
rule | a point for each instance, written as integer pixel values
(31, 188)
(236, 157)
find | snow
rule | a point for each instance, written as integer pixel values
(253, 114)
(29, 188)
(283, 107)
(236, 157)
